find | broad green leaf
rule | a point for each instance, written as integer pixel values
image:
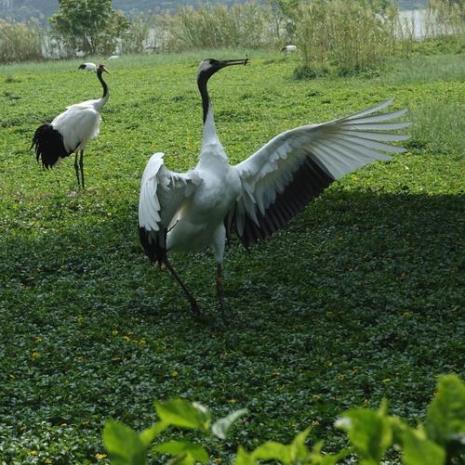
(285, 453)
(123, 444)
(244, 458)
(318, 458)
(181, 459)
(369, 432)
(149, 434)
(299, 451)
(183, 414)
(198, 453)
(418, 450)
(445, 417)
(220, 427)
(272, 450)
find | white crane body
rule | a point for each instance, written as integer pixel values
(79, 123)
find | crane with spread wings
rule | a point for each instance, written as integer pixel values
(200, 208)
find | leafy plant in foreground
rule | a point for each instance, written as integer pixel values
(371, 433)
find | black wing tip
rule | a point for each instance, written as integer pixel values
(48, 145)
(309, 180)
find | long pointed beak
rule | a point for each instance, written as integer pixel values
(242, 61)
(106, 71)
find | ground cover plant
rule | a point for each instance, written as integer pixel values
(371, 433)
(359, 298)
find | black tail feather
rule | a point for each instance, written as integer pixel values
(48, 145)
(154, 245)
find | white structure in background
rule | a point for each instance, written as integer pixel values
(415, 23)
(423, 23)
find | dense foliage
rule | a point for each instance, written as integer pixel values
(332, 36)
(371, 434)
(91, 26)
(359, 298)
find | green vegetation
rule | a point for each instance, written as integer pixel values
(332, 36)
(359, 298)
(371, 434)
(91, 26)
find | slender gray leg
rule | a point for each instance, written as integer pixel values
(194, 306)
(220, 288)
(81, 166)
(76, 168)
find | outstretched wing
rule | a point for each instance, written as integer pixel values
(162, 193)
(297, 165)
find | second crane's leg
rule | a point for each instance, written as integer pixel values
(194, 306)
(81, 166)
(76, 168)
(219, 287)
(219, 241)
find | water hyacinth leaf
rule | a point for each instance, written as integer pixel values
(149, 434)
(297, 451)
(123, 444)
(244, 458)
(418, 450)
(272, 450)
(183, 414)
(318, 458)
(369, 432)
(179, 448)
(220, 427)
(445, 418)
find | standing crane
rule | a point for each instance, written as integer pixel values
(70, 131)
(199, 208)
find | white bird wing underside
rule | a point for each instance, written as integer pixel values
(297, 165)
(162, 193)
(77, 125)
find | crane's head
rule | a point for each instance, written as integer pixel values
(101, 69)
(210, 66)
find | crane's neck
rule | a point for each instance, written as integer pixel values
(206, 104)
(212, 154)
(209, 129)
(106, 93)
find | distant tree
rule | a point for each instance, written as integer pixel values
(88, 25)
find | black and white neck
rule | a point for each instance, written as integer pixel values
(100, 70)
(207, 69)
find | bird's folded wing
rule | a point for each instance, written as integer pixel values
(161, 195)
(77, 125)
(295, 166)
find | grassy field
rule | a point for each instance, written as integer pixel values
(361, 297)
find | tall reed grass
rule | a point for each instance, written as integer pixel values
(242, 25)
(20, 42)
(349, 37)
(345, 37)
(445, 17)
